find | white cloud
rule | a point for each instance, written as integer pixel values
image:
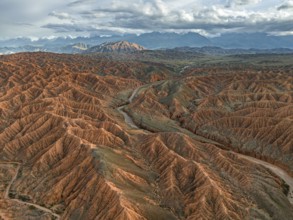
(243, 2)
(75, 17)
(286, 5)
(60, 15)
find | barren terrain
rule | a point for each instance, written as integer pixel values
(85, 137)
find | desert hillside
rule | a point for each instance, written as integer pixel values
(85, 137)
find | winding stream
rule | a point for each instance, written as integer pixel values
(275, 169)
(6, 196)
(127, 118)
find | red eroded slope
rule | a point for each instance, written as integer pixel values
(67, 153)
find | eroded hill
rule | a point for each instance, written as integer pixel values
(66, 151)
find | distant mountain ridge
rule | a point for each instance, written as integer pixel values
(252, 40)
(154, 40)
(75, 48)
(119, 47)
(223, 51)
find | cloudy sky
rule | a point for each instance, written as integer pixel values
(51, 18)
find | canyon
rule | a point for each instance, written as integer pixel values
(93, 137)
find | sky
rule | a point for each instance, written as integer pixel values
(54, 18)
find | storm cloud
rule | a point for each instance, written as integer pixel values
(49, 18)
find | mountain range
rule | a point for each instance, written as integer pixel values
(154, 40)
